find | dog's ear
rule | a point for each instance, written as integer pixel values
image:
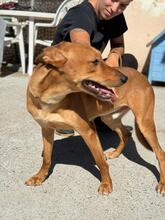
(51, 55)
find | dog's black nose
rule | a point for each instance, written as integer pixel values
(123, 79)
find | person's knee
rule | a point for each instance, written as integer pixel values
(129, 60)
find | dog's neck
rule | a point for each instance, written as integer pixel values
(53, 97)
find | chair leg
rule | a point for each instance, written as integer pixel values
(2, 37)
(22, 50)
(35, 34)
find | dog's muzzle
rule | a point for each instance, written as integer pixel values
(100, 91)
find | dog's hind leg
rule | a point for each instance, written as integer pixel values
(48, 137)
(144, 115)
(122, 131)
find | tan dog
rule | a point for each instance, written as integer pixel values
(71, 86)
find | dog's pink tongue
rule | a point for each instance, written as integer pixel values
(108, 94)
(105, 91)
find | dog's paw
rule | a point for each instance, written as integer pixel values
(35, 181)
(160, 188)
(105, 188)
(112, 154)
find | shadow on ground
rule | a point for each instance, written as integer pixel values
(73, 151)
(9, 70)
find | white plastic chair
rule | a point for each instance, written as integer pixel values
(2, 37)
(17, 38)
(60, 13)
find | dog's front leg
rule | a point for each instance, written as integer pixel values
(90, 137)
(48, 137)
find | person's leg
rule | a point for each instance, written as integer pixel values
(129, 60)
(101, 126)
(65, 133)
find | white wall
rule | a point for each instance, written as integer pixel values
(145, 19)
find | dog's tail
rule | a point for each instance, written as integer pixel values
(141, 138)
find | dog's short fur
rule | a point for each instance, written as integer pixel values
(71, 86)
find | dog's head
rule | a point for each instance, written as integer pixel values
(82, 69)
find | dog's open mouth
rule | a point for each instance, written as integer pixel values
(102, 92)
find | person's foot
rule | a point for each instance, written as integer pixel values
(65, 133)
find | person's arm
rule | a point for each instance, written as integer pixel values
(78, 35)
(117, 50)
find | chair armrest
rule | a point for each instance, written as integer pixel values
(16, 23)
(51, 24)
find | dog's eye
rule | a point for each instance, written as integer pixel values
(95, 62)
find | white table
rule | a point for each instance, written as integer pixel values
(31, 16)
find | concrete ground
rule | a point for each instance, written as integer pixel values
(70, 192)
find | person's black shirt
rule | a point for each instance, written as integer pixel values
(84, 16)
